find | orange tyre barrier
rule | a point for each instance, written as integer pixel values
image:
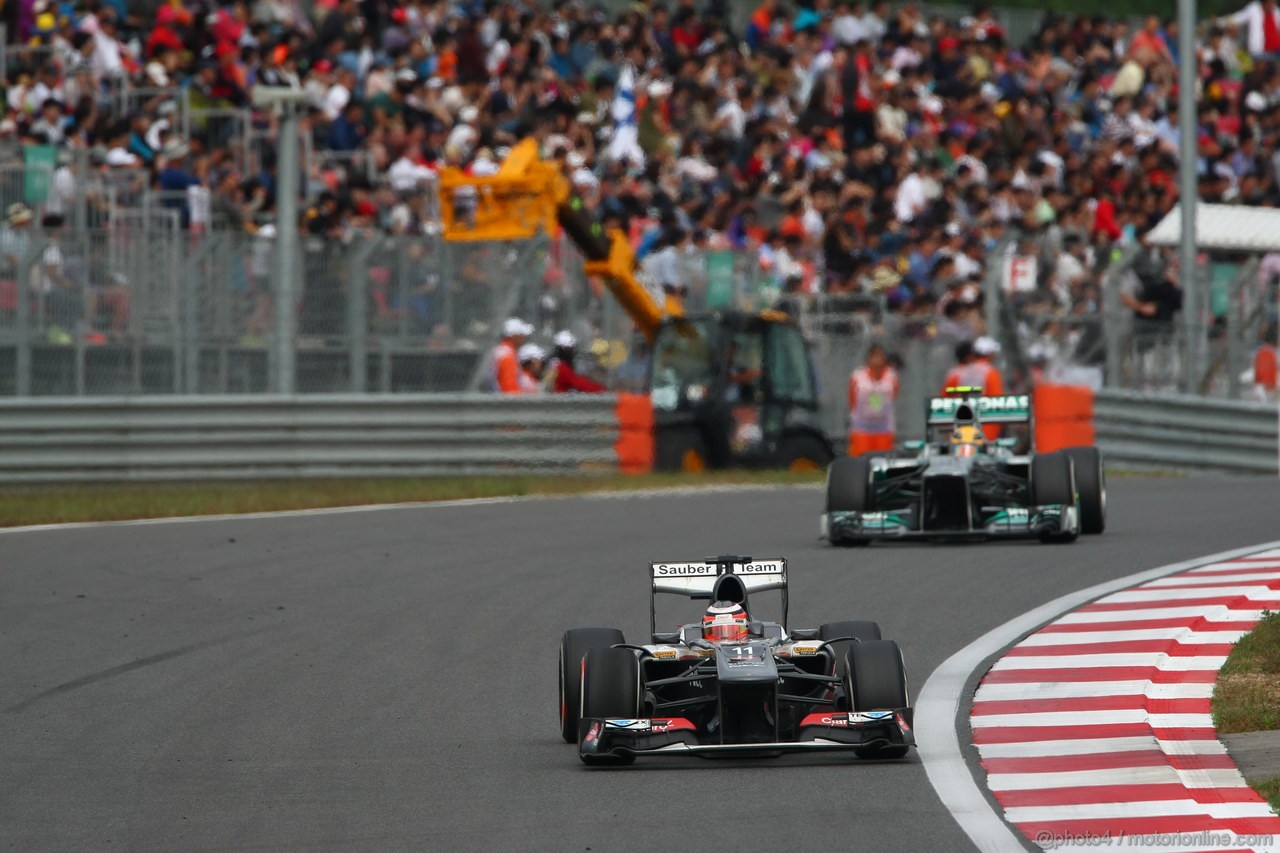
(1063, 417)
(635, 434)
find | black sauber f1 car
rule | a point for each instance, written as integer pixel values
(768, 692)
(959, 485)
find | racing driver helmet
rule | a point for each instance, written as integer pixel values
(725, 620)
(967, 440)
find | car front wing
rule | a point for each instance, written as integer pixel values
(676, 736)
(989, 523)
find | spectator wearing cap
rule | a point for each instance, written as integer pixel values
(280, 68)
(654, 119)
(975, 369)
(562, 376)
(531, 357)
(174, 178)
(463, 136)
(504, 363)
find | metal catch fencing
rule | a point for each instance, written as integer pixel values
(1102, 342)
(1173, 432)
(242, 437)
(145, 307)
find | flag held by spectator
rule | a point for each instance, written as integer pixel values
(625, 142)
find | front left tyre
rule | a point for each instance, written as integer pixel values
(1053, 481)
(1092, 486)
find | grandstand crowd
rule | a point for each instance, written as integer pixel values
(850, 147)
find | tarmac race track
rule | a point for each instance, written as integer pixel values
(385, 680)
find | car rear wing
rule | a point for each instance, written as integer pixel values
(1003, 409)
(699, 579)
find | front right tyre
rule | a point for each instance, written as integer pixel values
(574, 645)
(611, 688)
(875, 679)
(849, 490)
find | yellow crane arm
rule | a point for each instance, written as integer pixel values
(528, 194)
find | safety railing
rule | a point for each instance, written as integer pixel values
(1174, 432)
(239, 437)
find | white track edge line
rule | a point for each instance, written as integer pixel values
(937, 711)
(620, 494)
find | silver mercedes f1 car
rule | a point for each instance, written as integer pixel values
(961, 484)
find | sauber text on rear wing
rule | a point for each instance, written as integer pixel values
(697, 579)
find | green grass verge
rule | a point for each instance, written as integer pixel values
(115, 502)
(1271, 790)
(1246, 697)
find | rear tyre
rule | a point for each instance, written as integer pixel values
(1092, 486)
(680, 449)
(1053, 481)
(849, 490)
(876, 680)
(804, 452)
(610, 688)
(573, 646)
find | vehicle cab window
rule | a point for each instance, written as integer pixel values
(787, 357)
(746, 368)
(682, 365)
